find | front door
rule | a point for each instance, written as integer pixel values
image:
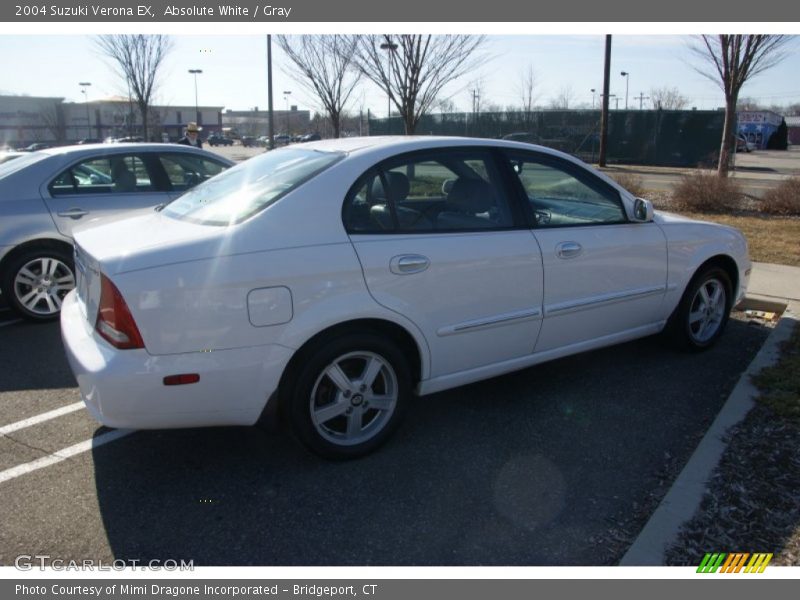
(101, 187)
(603, 274)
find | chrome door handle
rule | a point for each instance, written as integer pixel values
(73, 213)
(407, 264)
(568, 249)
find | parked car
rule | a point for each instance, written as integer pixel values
(35, 147)
(332, 281)
(217, 139)
(310, 137)
(249, 141)
(45, 195)
(90, 141)
(281, 139)
(743, 144)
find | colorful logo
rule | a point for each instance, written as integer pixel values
(734, 562)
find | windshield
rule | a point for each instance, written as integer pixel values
(12, 166)
(250, 187)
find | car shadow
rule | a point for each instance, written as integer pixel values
(533, 468)
(37, 354)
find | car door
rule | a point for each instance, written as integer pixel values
(604, 275)
(184, 170)
(101, 187)
(440, 243)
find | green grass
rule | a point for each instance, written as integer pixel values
(780, 384)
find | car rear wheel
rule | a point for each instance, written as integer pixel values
(349, 396)
(37, 281)
(704, 309)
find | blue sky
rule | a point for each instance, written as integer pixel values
(234, 71)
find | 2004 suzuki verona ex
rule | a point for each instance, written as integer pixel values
(337, 278)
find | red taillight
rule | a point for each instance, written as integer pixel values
(114, 320)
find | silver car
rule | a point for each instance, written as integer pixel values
(45, 195)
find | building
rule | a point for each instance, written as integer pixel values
(256, 122)
(27, 119)
(793, 126)
(758, 126)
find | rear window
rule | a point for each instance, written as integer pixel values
(12, 166)
(250, 187)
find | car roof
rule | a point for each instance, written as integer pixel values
(114, 147)
(395, 144)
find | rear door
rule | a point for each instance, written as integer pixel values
(440, 243)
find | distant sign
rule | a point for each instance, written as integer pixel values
(761, 117)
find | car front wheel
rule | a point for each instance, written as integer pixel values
(37, 281)
(704, 310)
(349, 396)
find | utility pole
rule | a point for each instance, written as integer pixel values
(271, 119)
(604, 110)
(476, 98)
(641, 97)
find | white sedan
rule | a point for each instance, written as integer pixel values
(329, 282)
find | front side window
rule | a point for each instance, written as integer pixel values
(187, 170)
(117, 174)
(250, 187)
(436, 191)
(560, 194)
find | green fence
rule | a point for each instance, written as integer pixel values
(646, 137)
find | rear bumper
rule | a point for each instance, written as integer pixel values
(125, 388)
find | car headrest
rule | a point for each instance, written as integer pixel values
(398, 185)
(471, 195)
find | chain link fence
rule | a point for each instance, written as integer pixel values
(644, 137)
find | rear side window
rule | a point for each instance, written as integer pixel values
(186, 170)
(437, 191)
(250, 187)
(117, 174)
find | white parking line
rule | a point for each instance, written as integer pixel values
(63, 454)
(64, 410)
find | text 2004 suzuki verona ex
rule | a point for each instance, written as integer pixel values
(338, 278)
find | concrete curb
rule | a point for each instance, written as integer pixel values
(683, 499)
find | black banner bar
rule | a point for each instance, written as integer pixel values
(411, 11)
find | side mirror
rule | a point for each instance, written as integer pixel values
(642, 210)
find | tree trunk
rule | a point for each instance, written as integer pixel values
(408, 121)
(728, 135)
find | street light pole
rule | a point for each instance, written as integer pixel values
(593, 96)
(286, 94)
(391, 47)
(626, 75)
(84, 85)
(196, 72)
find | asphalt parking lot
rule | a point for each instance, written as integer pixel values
(539, 467)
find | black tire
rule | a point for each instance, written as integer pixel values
(340, 421)
(696, 324)
(53, 274)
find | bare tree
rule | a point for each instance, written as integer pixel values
(446, 106)
(138, 59)
(527, 89)
(413, 69)
(324, 67)
(731, 61)
(564, 98)
(668, 98)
